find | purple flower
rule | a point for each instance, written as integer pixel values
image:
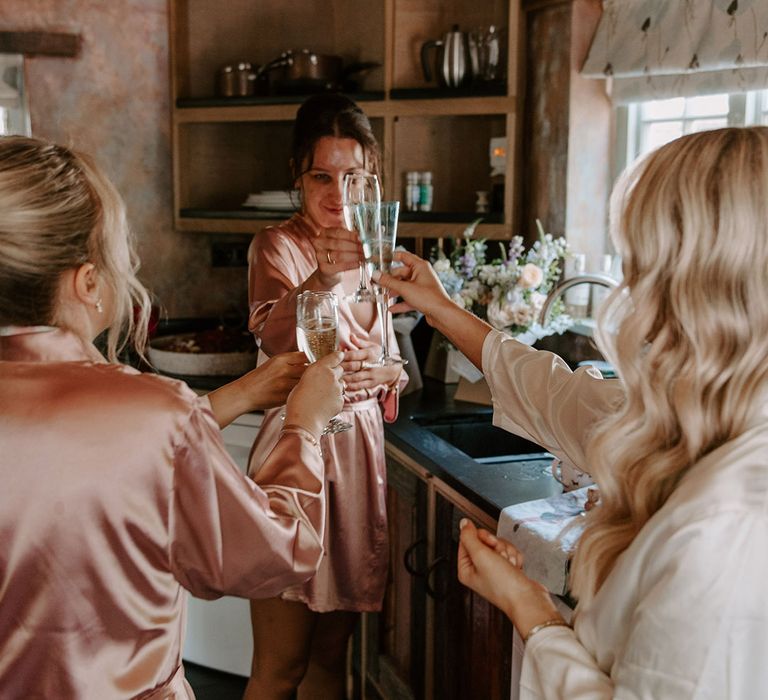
(467, 264)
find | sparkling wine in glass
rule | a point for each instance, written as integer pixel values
(317, 324)
(359, 188)
(377, 227)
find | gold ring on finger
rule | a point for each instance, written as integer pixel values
(331, 261)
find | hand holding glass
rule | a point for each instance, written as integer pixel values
(377, 227)
(317, 323)
(359, 188)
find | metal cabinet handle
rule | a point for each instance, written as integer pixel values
(431, 592)
(407, 558)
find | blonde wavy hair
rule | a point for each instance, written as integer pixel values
(57, 212)
(690, 328)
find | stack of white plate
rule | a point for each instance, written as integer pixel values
(274, 200)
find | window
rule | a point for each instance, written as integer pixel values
(644, 126)
(14, 109)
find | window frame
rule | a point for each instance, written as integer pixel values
(744, 109)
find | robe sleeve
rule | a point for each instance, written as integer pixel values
(698, 624)
(231, 536)
(537, 396)
(273, 285)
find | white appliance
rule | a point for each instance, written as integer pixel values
(219, 631)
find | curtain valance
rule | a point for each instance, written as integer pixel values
(653, 49)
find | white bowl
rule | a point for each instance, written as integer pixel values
(230, 364)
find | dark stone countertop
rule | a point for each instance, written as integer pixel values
(490, 486)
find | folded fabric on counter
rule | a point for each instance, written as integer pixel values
(403, 324)
(534, 527)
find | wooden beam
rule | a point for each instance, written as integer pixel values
(40, 43)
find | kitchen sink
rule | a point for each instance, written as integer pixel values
(476, 436)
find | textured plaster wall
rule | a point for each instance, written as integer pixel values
(113, 102)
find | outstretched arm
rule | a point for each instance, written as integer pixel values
(229, 535)
(418, 286)
(265, 387)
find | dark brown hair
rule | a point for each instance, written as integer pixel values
(331, 114)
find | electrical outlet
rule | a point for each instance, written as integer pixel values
(229, 254)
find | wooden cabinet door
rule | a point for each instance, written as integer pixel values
(395, 639)
(472, 638)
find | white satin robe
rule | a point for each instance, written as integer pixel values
(684, 612)
(117, 494)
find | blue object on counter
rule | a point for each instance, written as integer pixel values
(606, 368)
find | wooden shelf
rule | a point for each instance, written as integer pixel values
(226, 147)
(246, 109)
(224, 225)
(263, 100)
(412, 224)
(431, 93)
(246, 213)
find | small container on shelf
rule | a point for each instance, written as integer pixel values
(238, 80)
(426, 191)
(577, 297)
(412, 191)
(600, 293)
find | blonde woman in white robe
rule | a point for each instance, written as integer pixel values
(670, 570)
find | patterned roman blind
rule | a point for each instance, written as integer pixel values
(655, 49)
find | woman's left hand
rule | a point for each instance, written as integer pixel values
(357, 375)
(492, 567)
(336, 250)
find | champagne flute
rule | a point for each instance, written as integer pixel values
(377, 227)
(317, 323)
(359, 188)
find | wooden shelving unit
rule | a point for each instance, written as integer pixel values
(225, 148)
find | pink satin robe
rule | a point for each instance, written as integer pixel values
(117, 494)
(352, 574)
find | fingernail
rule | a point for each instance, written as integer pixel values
(463, 523)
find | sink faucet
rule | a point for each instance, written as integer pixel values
(598, 278)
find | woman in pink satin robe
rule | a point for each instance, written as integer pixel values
(300, 639)
(117, 492)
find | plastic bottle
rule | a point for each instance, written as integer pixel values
(600, 293)
(412, 191)
(425, 191)
(577, 297)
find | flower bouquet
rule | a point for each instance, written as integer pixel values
(508, 290)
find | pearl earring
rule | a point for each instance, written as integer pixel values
(99, 307)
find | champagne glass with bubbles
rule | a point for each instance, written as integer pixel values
(317, 324)
(359, 188)
(377, 227)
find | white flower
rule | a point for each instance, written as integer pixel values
(523, 315)
(501, 316)
(472, 290)
(513, 311)
(531, 276)
(537, 300)
(459, 299)
(441, 265)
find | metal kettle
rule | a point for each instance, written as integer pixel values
(451, 59)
